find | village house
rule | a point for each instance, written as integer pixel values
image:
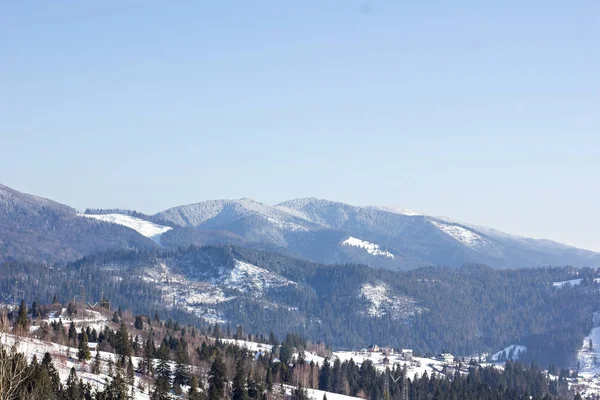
(373, 348)
(407, 354)
(445, 357)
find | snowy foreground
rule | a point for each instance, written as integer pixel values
(63, 363)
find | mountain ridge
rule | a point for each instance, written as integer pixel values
(310, 228)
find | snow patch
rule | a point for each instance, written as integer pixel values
(589, 356)
(571, 282)
(247, 277)
(381, 302)
(399, 210)
(463, 235)
(143, 227)
(511, 352)
(371, 248)
(192, 296)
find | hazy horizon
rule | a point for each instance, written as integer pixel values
(484, 113)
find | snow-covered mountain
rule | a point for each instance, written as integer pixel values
(313, 229)
(326, 231)
(38, 229)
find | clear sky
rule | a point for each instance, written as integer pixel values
(487, 112)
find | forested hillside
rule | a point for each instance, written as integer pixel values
(38, 229)
(464, 311)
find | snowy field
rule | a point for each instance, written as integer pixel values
(510, 352)
(143, 227)
(371, 248)
(463, 235)
(316, 394)
(571, 282)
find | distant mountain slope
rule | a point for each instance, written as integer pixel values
(313, 229)
(143, 227)
(430, 309)
(34, 228)
(333, 232)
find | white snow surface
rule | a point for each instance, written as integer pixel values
(316, 394)
(200, 296)
(252, 346)
(571, 282)
(589, 358)
(381, 301)
(463, 235)
(247, 277)
(397, 210)
(229, 210)
(371, 248)
(418, 365)
(143, 227)
(193, 296)
(517, 349)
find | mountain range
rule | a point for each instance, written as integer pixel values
(37, 229)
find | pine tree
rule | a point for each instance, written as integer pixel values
(162, 381)
(72, 334)
(181, 374)
(123, 344)
(217, 377)
(239, 381)
(193, 393)
(83, 353)
(72, 389)
(117, 388)
(139, 322)
(301, 393)
(48, 366)
(148, 353)
(22, 320)
(216, 331)
(324, 376)
(96, 364)
(130, 373)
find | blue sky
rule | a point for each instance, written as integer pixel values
(487, 113)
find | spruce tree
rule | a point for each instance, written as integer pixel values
(96, 364)
(139, 322)
(217, 378)
(239, 381)
(83, 353)
(22, 320)
(193, 392)
(72, 389)
(72, 334)
(117, 388)
(181, 374)
(162, 381)
(130, 372)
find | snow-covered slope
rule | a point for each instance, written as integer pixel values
(143, 227)
(371, 248)
(219, 212)
(201, 292)
(463, 235)
(512, 352)
(589, 355)
(249, 278)
(382, 301)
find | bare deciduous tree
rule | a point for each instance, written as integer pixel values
(14, 372)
